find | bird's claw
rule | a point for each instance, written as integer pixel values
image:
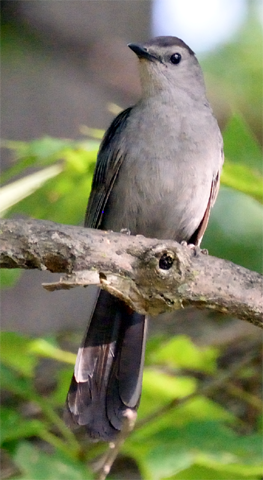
(196, 249)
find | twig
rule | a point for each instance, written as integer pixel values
(205, 390)
(240, 393)
(129, 419)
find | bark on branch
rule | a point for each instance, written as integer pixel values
(152, 276)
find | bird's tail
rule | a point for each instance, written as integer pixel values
(108, 373)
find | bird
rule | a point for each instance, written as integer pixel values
(157, 174)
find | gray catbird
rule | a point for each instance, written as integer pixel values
(157, 174)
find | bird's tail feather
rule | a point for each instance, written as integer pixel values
(108, 372)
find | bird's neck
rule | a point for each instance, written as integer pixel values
(178, 98)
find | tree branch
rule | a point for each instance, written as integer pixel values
(152, 276)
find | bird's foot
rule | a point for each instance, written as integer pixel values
(126, 231)
(196, 249)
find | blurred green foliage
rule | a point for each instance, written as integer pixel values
(62, 198)
(51, 198)
(235, 228)
(194, 437)
(234, 71)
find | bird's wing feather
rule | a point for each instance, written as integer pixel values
(110, 158)
(196, 238)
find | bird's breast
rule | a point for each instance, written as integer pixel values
(164, 182)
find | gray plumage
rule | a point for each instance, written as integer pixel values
(157, 174)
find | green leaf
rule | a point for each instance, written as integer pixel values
(37, 153)
(44, 348)
(8, 277)
(37, 465)
(15, 353)
(197, 472)
(199, 408)
(243, 168)
(16, 191)
(160, 388)
(209, 444)
(63, 380)
(235, 229)
(14, 426)
(16, 384)
(242, 178)
(240, 144)
(54, 200)
(180, 351)
(46, 147)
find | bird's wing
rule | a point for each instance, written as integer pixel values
(196, 238)
(110, 158)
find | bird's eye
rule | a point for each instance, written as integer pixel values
(176, 58)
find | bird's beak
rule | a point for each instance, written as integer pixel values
(142, 52)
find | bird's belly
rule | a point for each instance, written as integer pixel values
(158, 204)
